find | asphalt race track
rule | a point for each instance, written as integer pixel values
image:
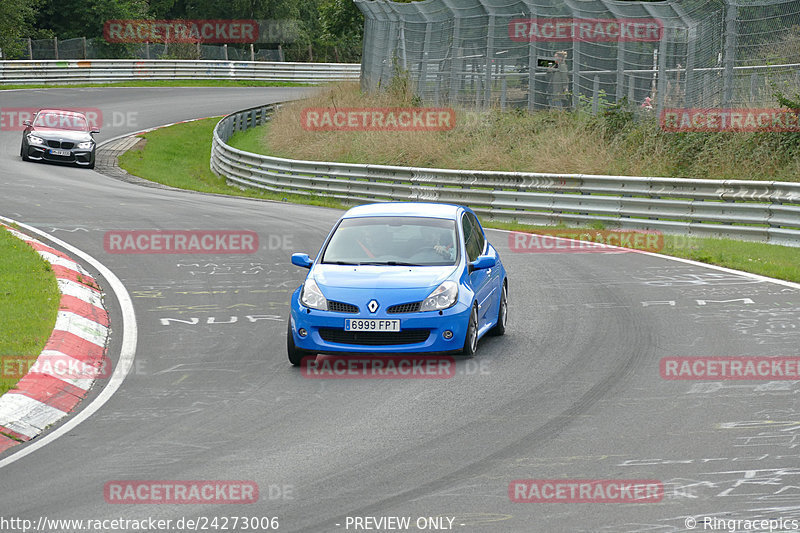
(573, 391)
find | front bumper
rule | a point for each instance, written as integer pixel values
(76, 156)
(411, 339)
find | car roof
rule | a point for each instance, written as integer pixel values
(405, 209)
(62, 112)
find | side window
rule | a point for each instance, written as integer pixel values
(470, 238)
(466, 225)
(480, 240)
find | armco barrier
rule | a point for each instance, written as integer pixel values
(766, 211)
(111, 70)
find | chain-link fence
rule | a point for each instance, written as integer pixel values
(542, 54)
(83, 48)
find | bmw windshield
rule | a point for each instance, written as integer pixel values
(61, 121)
(402, 241)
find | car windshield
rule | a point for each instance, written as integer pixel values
(61, 121)
(404, 240)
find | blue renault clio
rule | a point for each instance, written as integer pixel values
(391, 278)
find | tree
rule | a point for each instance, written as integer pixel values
(342, 28)
(85, 18)
(15, 18)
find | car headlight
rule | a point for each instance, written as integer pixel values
(33, 139)
(85, 145)
(312, 297)
(443, 297)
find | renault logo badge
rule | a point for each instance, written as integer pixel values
(373, 306)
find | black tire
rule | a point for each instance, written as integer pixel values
(471, 339)
(91, 165)
(22, 153)
(295, 354)
(502, 314)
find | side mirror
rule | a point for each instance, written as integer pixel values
(483, 262)
(302, 260)
(27, 123)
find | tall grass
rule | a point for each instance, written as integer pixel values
(568, 142)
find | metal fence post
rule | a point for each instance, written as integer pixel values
(620, 93)
(731, 10)
(489, 60)
(455, 63)
(595, 95)
(423, 65)
(631, 89)
(662, 74)
(55, 47)
(533, 57)
(689, 80)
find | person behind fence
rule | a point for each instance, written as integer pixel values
(558, 85)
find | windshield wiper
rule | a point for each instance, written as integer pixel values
(339, 263)
(390, 263)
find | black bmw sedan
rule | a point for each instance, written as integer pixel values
(59, 135)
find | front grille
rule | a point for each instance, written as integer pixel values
(65, 145)
(374, 338)
(341, 307)
(404, 308)
(51, 157)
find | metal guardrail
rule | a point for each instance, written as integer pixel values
(111, 70)
(766, 211)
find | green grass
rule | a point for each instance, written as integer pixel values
(29, 300)
(251, 140)
(781, 262)
(161, 83)
(179, 156)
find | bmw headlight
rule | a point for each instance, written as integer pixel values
(85, 145)
(443, 297)
(33, 139)
(312, 297)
